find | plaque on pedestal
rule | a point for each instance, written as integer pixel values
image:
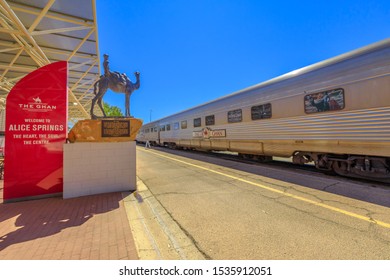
(105, 130)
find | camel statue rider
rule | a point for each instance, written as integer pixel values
(107, 73)
(116, 82)
(105, 65)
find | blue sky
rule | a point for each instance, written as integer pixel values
(193, 51)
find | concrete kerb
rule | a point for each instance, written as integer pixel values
(156, 235)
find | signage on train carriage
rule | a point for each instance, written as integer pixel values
(207, 133)
(36, 129)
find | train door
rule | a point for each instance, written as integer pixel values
(162, 135)
(156, 135)
(159, 136)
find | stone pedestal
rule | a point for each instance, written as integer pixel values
(94, 168)
(100, 157)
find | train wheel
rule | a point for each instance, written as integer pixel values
(340, 168)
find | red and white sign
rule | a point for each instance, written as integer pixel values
(36, 129)
(207, 133)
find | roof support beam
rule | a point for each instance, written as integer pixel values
(66, 53)
(11, 31)
(19, 40)
(41, 15)
(11, 63)
(10, 49)
(93, 62)
(87, 92)
(97, 38)
(21, 27)
(52, 15)
(60, 30)
(74, 98)
(18, 68)
(11, 80)
(83, 84)
(81, 43)
(83, 76)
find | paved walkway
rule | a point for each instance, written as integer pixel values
(88, 228)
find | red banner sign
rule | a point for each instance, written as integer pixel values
(36, 129)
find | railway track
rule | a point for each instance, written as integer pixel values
(280, 163)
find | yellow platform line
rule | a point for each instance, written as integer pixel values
(319, 204)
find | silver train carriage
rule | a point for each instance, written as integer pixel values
(335, 113)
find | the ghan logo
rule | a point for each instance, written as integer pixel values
(37, 106)
(207, 133)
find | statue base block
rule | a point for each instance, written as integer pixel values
(95, 168)
(105, 130)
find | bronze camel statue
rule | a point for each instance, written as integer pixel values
(118, 83)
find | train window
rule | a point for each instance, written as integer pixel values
(261, 111)
(210, 120)
(168, 127)
(162, 128)
(183, 124)
(197, 122)
(235, 116)
(176, 126)
(330, 100)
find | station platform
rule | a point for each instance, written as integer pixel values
(191, 206)
(233, 210)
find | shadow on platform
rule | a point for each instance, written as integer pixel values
(30, 220)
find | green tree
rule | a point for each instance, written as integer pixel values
(112, 111)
